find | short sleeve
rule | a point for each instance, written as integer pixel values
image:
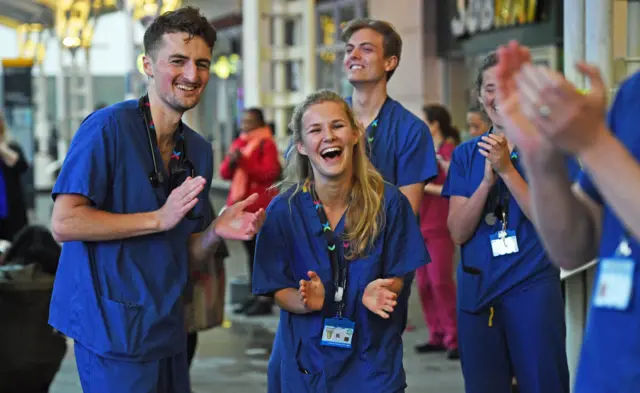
(417, 157)
(456, 183)
(204, 207)
(404, 248)
(88, 166)
(272, 263)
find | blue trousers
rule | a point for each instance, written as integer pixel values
(522, 335)
(102, 375)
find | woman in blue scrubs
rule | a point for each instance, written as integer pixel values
(510, 304)
(333, 252)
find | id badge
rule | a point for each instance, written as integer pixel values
(615, 283)
(504, 243)
(338, 332)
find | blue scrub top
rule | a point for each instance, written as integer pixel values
(122, 298)
(499, 274)
(291, 243)
(610, 360)
(401, 146)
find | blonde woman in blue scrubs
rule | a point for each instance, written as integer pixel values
(334, 251)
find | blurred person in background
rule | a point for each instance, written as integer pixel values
(436, 287)
(477, 121)
(13, 211)
(31, 351)
(253, 166)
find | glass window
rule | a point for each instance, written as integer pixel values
(325, 69)
(345, 14)
(327, 32)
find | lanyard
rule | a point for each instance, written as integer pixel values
(371, 135)
(499, 200)
(179, 153)
(337, 264)
(179, 165)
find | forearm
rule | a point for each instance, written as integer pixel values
(202, 245)
(464, 219)
(433, 189)
(615, 172)
(563, 222)
(519, 189)
(289, 299)
(85, 223)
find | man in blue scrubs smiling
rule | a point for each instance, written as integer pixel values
(131, 207)
(597, 218)
(399, 143)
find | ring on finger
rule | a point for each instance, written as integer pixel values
(545, 111)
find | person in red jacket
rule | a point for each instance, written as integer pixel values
(435, 281)
(253, 166)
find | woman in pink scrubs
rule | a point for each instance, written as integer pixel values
(435, 280)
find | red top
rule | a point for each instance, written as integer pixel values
(435, 209)
(262, 168)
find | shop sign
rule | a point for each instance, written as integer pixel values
(475, 16)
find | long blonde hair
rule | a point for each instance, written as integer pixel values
(365, 215)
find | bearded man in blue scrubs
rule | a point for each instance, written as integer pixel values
(599, 217)
(131, 207)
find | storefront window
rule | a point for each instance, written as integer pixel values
(332, 16)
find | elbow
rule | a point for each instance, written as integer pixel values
(458, 239)
(458, 236)
(59, 229)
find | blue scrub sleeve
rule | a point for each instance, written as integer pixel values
(271, 266)
(88, 166)
(404, 248)
(204, 207)
(456, 182)
(417, 156)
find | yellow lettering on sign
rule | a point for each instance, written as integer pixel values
(30, 44)
(514, 12)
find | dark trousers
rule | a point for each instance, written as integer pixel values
(192, 343)
(250, 246)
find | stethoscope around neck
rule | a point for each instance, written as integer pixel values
(177, 167)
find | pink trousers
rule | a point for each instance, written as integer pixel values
(438, 293)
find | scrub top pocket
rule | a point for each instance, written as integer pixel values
(298, 380)
(118, 328)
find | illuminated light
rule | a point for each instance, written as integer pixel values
(145, 9)
(28, 45)
(226, 324)
(72, 42)
(222, 68)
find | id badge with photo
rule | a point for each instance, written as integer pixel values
(504, 243)
(338, 332)
(615, 283)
